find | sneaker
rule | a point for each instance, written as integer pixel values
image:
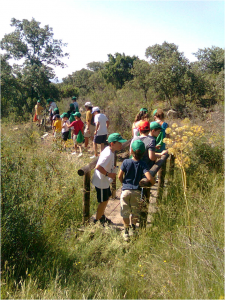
(93, 156)
(105, 220)
(126, 236)
(133, 230)
(73, 153)
(95, 222)
(81, 154)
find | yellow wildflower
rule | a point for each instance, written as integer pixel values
(168, 130)
(174, 125)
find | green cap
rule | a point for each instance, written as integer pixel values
(64, 115)
(39, 101)
(74, 98)
(50, 100)
(144, 109)
(77, 114)
(154, 112)
(56, 109)
(138, 145)
(155, 125)
(116, 137)
(71, 105)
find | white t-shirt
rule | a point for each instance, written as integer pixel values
(106, 160)
(101, 119)
(66, 123)
(52, 106)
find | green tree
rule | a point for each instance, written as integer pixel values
(118, 69)
(210, 60)
(96, 66)
(39, 53)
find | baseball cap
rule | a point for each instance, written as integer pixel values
(154, 112)
(57, 116)
(88, 104)
(56, 109)
(77, 114)
(94, 109)
(49, 100)
(144, 109)
(64, 115)
(74, 98)
(39, 101)
(143, 125)
(138, 145)
(155, 125)
(116, 137)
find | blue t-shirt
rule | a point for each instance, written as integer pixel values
(134, 171)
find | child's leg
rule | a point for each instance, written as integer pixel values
(80, 149)
(95, 149)
(101, 209)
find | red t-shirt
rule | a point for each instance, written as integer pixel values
(78, 125)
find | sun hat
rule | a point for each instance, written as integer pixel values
(77, 114)
(64, 115)
(74, 98)
(155, 125)
(154, 112)
(94, 109)
(116, 137)
(143, 125)
(88, 104)
(144, 109)
(138, 145)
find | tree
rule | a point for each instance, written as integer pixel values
(210, 60)
(38, 50)
(118, 69)
(95, 66)
(168, 70)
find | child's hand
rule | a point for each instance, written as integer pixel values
(158, 147)
(164, 152)
(112, 175)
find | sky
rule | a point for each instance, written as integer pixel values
(93, 29)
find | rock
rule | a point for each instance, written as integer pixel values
(172, 114)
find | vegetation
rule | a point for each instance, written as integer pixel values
(44, 255)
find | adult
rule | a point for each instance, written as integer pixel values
(101, 130)
(90, 125)
(141, 116)
(38, 110)
(52, 106)
(76, 107)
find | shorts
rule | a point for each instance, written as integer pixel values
(92, 130)
(39, 117)
(103, 194)
(130, 203)
(100, 139)
(65, 135)
(75, 139)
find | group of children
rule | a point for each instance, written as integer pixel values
(144, 146)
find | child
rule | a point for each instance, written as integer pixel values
(158, 115)
(103, 174)
(131, 172)
(57, 126)
(148, 135)
(65, 128)
(77, 125)
(90, 125)
(141, 116)
(38, 110)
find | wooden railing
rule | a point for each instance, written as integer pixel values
(86, 172)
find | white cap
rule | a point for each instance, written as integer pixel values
(94, 109)
(88, 104)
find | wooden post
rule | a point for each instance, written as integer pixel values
(86, 198)
(114, 180)
(161, 181)
(171, 168)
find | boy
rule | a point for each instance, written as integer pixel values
(75, 104)
(90, 125)
(52, 106)
(65, 128)
(158, 115)
(131, 172)
(103, 174)
(38, 110)
(77, 125)
(148, 135)
(57, 126)
(101, 130)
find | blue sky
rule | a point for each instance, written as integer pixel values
(94, 29)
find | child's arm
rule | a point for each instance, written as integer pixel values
(153, 156)
(107, 124)
(104, 172)
(120, 176)
(96, 129)
(150, 178)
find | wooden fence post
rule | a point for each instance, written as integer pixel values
(86, 197)
(161, 181)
